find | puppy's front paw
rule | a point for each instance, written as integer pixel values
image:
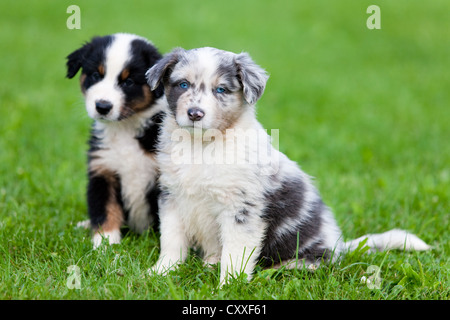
(85, 224)
(113, 237)
(211, 260)
(163, 266)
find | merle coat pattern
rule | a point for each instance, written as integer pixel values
(237, 211)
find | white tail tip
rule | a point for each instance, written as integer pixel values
(392, 239)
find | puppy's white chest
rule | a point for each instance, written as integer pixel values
(122, 153)
(137, 170)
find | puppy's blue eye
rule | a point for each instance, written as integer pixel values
(184, 85)
(220, 90)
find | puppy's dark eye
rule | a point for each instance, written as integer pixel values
(96, 76)
(128, 82)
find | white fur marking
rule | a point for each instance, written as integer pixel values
(113, 237)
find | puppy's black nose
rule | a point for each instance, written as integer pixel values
(103, 106)
(195, 114)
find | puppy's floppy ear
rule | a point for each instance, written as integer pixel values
(252, 77)
(75, 59)
(74, 63)
(161, 69)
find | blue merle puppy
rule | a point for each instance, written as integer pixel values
(240, 200)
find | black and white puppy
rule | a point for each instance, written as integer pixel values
(122, 169)
(240, 200)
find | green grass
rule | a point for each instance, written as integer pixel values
(364, 111)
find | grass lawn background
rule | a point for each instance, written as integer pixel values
(364, 111)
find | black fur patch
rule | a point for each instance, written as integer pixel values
(152, 199)
(149, 139)
(98, 195)
(286, 204)
(143, 56)
(94, 143)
